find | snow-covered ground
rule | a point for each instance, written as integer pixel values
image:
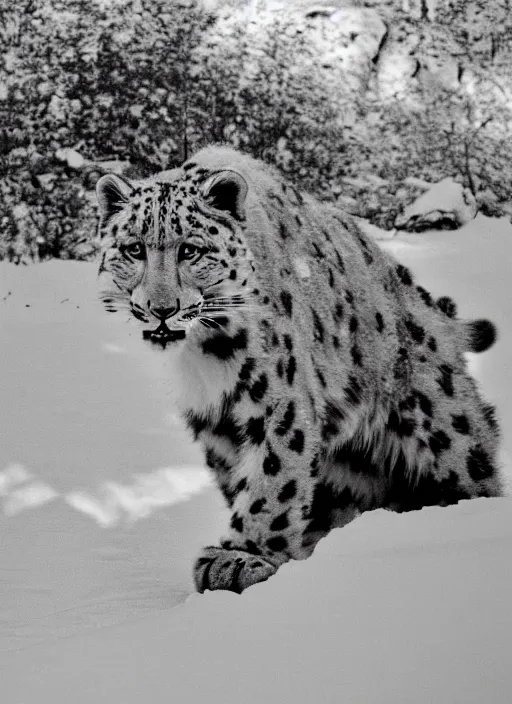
(104, 503)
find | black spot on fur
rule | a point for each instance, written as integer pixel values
(425, 403)
(259, 388)
(445, 381)
(409, 403)
(447, 306)
(246, 369)
(331, 278)
(349, 296)
(460, 424)
(483, 335)
(353, 324)
(280, 368)
(287, 421)
(353, 391)
(227, 427)
(318, 252)
(224, 346)
(402, 426)
(255, 430)
(432, 344)
(325, 501)
(321, 509)
(237, 523)
(380, 322)
(439, 441)
(479, 464)
(195, 422)
(338, 311)
(341, 263)
(489, 412)
(320, 378)
(288, 342)
(318, 327)
(283, 231)
(412, 493)
(257, 506)
(335, 342)
(401, 366)
(252, 548)
(241, 486)
(332, 418)
(367, 257)
(287, 302)
(417, 332)
(277, 544)
(314, 464)
(404, 275)
(290, 370)
(271, 463)
(232, 275)
(425, 295)
(297, 442)
(297, 194)
(288, 491)
(213, 230)
(357, 357)
(280, 522)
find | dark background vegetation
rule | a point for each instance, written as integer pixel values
(145, 83)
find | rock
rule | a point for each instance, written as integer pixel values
(20, 212)
(447, 205)
(489, 204)
(72, 158)
(354, 44)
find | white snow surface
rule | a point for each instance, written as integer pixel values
(104, 503)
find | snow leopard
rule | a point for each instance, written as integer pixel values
(319, 378)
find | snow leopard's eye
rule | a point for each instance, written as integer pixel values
(136, 250)
(189, 252)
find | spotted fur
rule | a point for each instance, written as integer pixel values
(319, 379)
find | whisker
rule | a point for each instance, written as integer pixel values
(210, 323)
(237, 300)
(228, 307)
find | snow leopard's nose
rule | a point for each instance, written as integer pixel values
(164, 313)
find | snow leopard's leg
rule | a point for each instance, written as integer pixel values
(281, 507)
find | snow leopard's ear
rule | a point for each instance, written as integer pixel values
(226, 190)
(113, 193)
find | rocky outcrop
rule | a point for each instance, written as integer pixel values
(447, 205)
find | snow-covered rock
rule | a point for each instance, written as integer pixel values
(350, 38)
(73, 159)
(447, 205)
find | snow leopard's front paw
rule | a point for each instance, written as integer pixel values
(234, 570)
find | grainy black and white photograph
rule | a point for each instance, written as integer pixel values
(255, 334)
